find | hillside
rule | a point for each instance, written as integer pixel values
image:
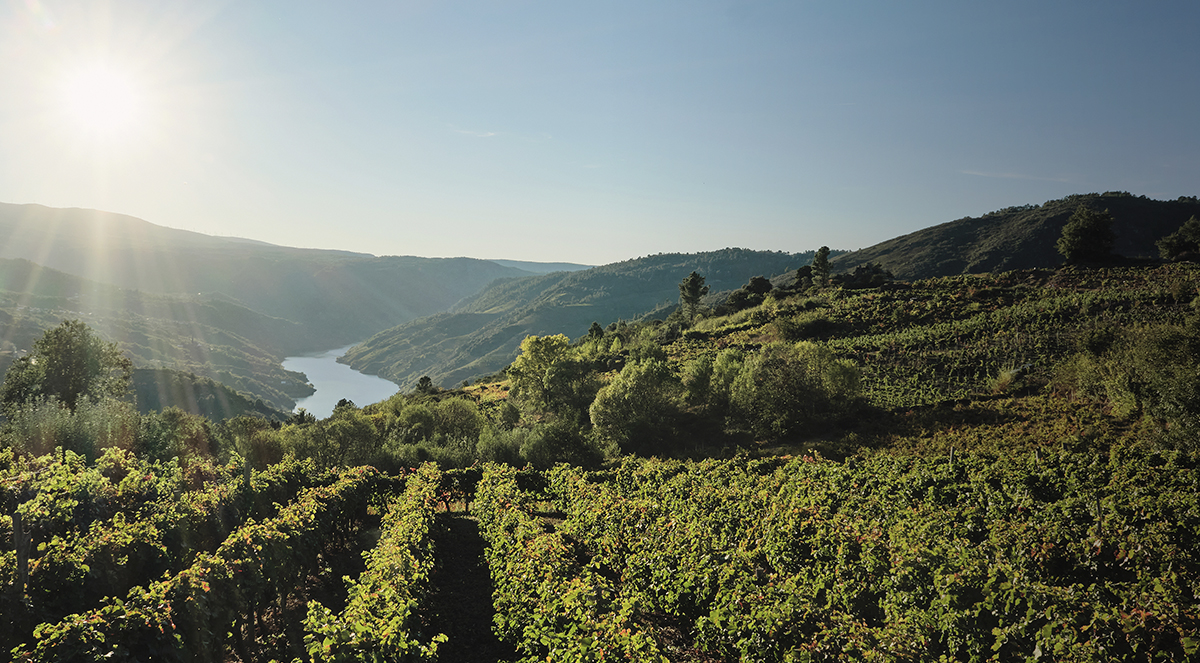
(481, 334)
(970, 467)
(543, 267)
(219, 340)
(337, 296)
(1021, 237)
(158, 389)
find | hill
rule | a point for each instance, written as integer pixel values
(1021, 237)
(217, 339)
(157, 389)
(337, 296)
(482, 333)
(543, 267)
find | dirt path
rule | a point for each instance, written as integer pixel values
(461, 599)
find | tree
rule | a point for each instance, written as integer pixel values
(783, 389)
(758, 285)
(595, 331)
(528, 371)
(1087, 237)
(68, 363)
(751, 294)
(637, 411)
(691, 289)
(820, 267)
(1183, 241)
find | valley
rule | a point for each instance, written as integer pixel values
(790, 464)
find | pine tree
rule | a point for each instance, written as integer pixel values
(691, 289)
(820, 267)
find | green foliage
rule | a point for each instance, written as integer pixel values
(345, 440)
(784, 389)
(561, 441)
(415, 423)
(499, 445)
(750, 294)
(528, 371)
(697, 380)
(68, 363)
(549, 604)
(38, 427)
(988, 557)
(212, 604)
(458, 419)
(820, 267)
(638, 411)
(103, 530)
(1087, 236)
(1152, 371)
(691, 290)
(1183, 241)
(570, 386)
(381, 620)
(174, 433)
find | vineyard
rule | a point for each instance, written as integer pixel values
(1055, 554)
(1003, 468)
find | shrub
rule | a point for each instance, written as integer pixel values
(784, 388)
(637, 411)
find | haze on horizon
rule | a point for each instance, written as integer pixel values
(561, 132)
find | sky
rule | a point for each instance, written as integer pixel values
(590, 132)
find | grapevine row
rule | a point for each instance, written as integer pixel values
(219, 601)
(988, 558)
(380, 620)
(549, 603)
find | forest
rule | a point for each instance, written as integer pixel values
(816, 466)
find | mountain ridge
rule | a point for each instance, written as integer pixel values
(482, 332)
(1021, 236)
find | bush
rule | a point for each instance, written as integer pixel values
(561, 442)
(39, 427)
(1150, 371)
(501, 446)
(804, 326)
(638, 410)
(784, 388)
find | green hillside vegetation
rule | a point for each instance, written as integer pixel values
(543, 267)
(481, 334)
(959, 468)
(157, 389)
(216, 339)
(989, 467)
(1022, 237)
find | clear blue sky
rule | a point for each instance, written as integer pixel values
(591, 132)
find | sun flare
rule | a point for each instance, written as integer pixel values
(102, 101)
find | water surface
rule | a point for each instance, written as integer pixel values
(335, 381)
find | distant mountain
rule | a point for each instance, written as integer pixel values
(482, 333)
(337, 296)
(1021, 237)
(543, 267)
(214, 338)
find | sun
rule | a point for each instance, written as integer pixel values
(102, 101)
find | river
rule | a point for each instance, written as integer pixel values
(334, 381)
